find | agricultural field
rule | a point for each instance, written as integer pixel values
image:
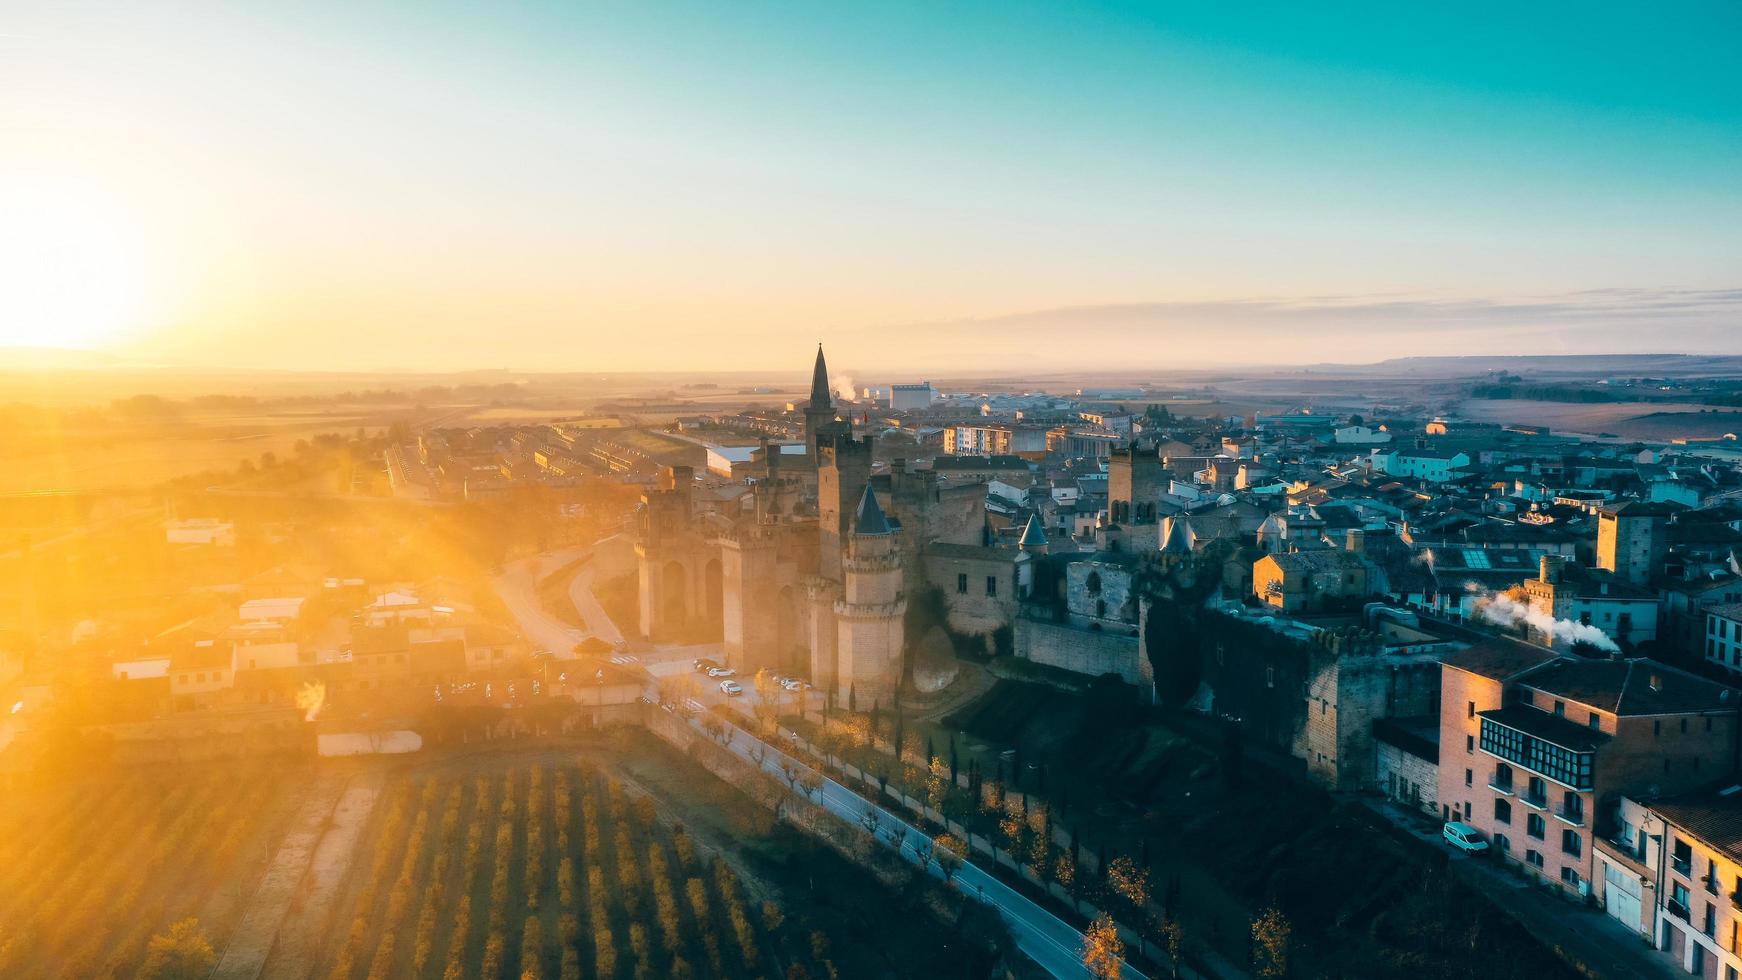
(1626, 420)
(550, 867)
(93, 868)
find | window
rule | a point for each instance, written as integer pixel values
(1469, 743)
(1502, 811)
(1560, 709)
(200, 677)
(1470, 712)
(991, 585)
(1684, 726)
(1657, 726)
(1270, 677)
(1469, 777)
(962, 584)
(1533, 858)
(1561, 764)
(1681, 858)
(1711, 878)
(1595, 721)
(1571, 843)
(1535, 826)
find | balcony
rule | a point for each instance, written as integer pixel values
(1536, 801)
(1504, 788)
(1571, 816)
(1678, 910)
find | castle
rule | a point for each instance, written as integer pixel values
(811, 571)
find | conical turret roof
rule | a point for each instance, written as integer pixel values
(1032, 535)
(870, 519)
(820, 382)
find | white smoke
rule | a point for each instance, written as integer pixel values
(844, 388)
(1505, 611)
(311, 699)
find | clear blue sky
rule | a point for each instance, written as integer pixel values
(624, 185)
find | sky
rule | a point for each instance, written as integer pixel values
(657, 186)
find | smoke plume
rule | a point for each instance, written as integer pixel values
(311, 699)
(1505, 611)
(844, 388)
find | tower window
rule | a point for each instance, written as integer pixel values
(962, 584)
(991, 585)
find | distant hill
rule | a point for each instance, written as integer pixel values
(1540, 365)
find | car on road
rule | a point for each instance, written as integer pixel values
(1464, 837)
(721, 672)
(792, 684)
(731, 689)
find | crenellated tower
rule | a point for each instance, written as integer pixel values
(869, 613)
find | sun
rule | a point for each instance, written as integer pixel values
(73, 267)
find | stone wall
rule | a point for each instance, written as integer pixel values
(1345, 696)
(1092, 652)
(1407, 778)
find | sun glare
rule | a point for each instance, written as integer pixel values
(73, 270)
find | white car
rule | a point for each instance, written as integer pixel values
(792, 684)
(1465, 837)
(721, 672)
(731, 689)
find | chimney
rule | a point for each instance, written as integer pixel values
(1551, 569)
(1355, 541)
(1655, 682)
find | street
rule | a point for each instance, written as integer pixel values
(1044, 937)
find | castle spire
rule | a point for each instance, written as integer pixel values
(820, 382)
(870, 518)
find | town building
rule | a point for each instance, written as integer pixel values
(1533, 744)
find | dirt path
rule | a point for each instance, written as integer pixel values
(304, 908)
(246, 953)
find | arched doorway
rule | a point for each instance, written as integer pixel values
(672, 588)
(786, 631)
(713, 594)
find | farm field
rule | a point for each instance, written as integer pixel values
(550, 866)
(1628, 420)
(600, 857)
(162, 843)
(126, 458)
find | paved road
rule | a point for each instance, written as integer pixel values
(592, 613)
(1044, 937)
(518, 587)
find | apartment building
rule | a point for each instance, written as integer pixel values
(1671, 870)
(1531, 742)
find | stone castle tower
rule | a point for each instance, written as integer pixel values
(869, 613)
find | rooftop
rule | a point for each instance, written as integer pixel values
(1501, 659)
(1629, 687)
(1714, 816)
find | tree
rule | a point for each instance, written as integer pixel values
(1173, 939)
(1270, 939)
(184, 953)
(1103, 950)
(949, 852)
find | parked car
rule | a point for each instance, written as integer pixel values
(792, 684)
(1465, 837)
(731, 688)
(721, 672)
(703, 664)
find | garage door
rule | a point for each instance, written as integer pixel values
(1621, 895)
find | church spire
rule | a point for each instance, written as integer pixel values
(820, 382)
